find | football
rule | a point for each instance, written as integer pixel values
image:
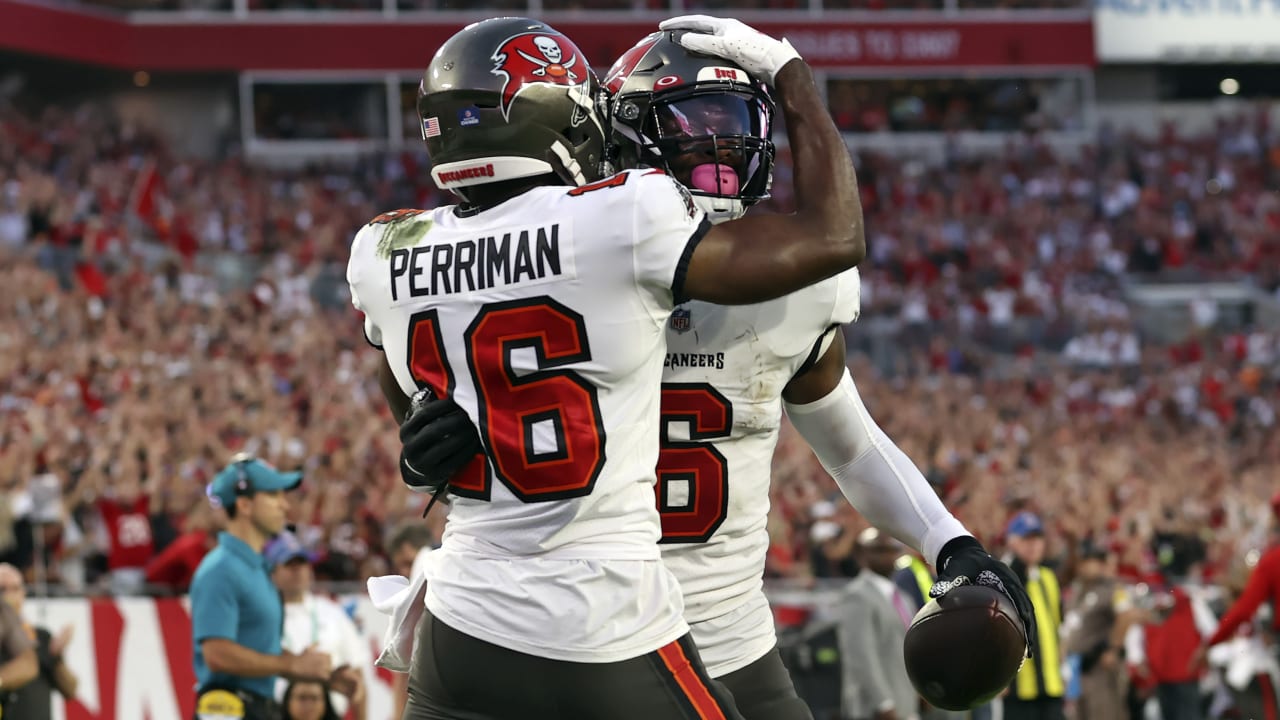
(964, 648)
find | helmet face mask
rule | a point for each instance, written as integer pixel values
(714, 142)
(698, 118)
(511, 98)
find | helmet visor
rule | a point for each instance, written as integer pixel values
(703, 115)
(714, 143)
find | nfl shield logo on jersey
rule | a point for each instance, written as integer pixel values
(681, 320)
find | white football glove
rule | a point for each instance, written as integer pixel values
(760, 55)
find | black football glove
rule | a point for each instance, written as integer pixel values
(438, 441)
(963, 561)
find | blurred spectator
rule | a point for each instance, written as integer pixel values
(1260, 694)
(1037, 691)
(174, 567)
(310, 700)
(34, 701)
(408, 544)
(315, 622)
(914, 577)
(1263, 586)
(1094, 629)
(833, 542)
(1107, 345)
(126, 517)
(874, 616)
(1164, 648)
(19, 664)
(1204, 312)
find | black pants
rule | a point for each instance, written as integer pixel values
(763, 691)
(1038, 709)
(1179, 701)
(457, 677)
(221, 702)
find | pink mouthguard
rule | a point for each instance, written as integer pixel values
(715, 178)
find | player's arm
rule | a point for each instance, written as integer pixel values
(873, 473)
(357, 264)
(397, 401)
(766, 256)
(884, 485)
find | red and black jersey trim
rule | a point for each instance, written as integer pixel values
(682, 267)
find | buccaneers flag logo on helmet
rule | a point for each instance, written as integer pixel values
(532, 58)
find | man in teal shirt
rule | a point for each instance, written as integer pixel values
(236, 611)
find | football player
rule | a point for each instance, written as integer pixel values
(535, 311)
(730, 371)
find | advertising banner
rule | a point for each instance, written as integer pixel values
(406, 43)
(133, 656)
(1177, 31)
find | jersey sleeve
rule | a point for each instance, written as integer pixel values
(361, 251)
(667, 228)
(809, 318)
(845, 309)
(848, 301)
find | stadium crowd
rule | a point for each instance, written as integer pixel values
(162, 313)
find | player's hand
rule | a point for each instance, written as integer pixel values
(963, 561)
(311, 664)
(735, 41)
(439, 440)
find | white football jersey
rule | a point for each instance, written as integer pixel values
(722, 387)
(544, 318)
